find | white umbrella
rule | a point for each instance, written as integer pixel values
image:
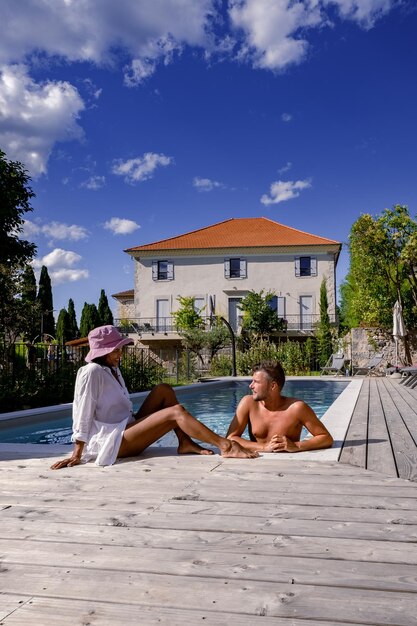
(398, 327)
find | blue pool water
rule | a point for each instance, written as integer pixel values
(214, 406)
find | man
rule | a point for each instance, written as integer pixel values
(275, 421)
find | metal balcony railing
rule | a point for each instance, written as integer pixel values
(154, 326)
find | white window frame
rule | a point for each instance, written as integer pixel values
(242, 268)
(313, 266)
(155, 270)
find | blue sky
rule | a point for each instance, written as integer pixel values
(142, 120)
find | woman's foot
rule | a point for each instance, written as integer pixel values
(188, 446)
(235, 450)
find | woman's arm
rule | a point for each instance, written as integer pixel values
(75, 459)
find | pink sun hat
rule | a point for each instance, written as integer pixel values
(103, 340)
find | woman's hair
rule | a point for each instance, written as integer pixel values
(101, 360)
(274, 371)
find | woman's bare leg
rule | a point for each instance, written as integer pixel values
(144, 432)
(161, 397)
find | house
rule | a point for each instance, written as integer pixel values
(218, 265)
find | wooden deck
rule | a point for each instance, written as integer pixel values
(204, 540)
(382, 435)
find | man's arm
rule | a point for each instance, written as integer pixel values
(239, 423)
(321, 438)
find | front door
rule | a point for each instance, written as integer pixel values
(306, 312)
(235, 314)
(162, 315)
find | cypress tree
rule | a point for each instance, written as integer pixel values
(72, 320)
(44, 298)
(63, 327)
(28, 296)
(89, 319)
(324, 333)
(104, 311)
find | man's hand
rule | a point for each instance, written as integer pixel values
(280, 444)
(74, 460)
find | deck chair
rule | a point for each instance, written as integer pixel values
(335, 364)
(407, 372)
(370, 366)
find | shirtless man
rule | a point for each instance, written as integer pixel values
(275, 421)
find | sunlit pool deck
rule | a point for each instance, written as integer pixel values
(320, 538)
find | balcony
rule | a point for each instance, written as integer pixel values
(147, 327)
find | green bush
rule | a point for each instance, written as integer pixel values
(221, 365)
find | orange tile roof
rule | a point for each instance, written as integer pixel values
(124, 294)
(243, 232)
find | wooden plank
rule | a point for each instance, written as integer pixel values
(405, 450)
(127, 514)
(216, 595)
(185, 562)
(62, 612)
(259, 526)
(372, 550)
(354, 446)
(406, 401)
(9, 603)
(380, 455)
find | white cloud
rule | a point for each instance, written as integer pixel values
(141, 168)
(286, 117)
(30, 229)
(35, 116)
(55, 230)
(205, 184)
(285, 168)
(282, 190)
(120, 226)
(94, 182)
(91, 30)
(60, 264)
(58, 257)
(275, 31)
(65, 275)
(364, 12)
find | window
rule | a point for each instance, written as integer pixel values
(162, 270)
(199, 304)
(277, 304)
(235, 268)
(305, 266)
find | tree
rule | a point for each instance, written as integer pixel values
(383, 255)
(323, 331)
(72, 319)
(63, 327)
(104, 311)
(15, 196)
(44, 297)
(259, 319)
(186, 317)
(16, 310)
(89, 319)
(28, 296)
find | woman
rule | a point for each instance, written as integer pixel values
(104, 426)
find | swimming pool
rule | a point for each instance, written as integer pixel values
(212, 403)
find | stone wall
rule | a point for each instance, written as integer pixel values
(361, 344)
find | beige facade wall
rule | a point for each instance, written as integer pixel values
(204, 276)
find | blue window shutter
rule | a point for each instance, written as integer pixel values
(242, 268)
(154, 270)
(170, 271)
(297, 265)
(313, 266)
(227, 268)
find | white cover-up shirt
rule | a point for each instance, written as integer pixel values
(101, 411)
